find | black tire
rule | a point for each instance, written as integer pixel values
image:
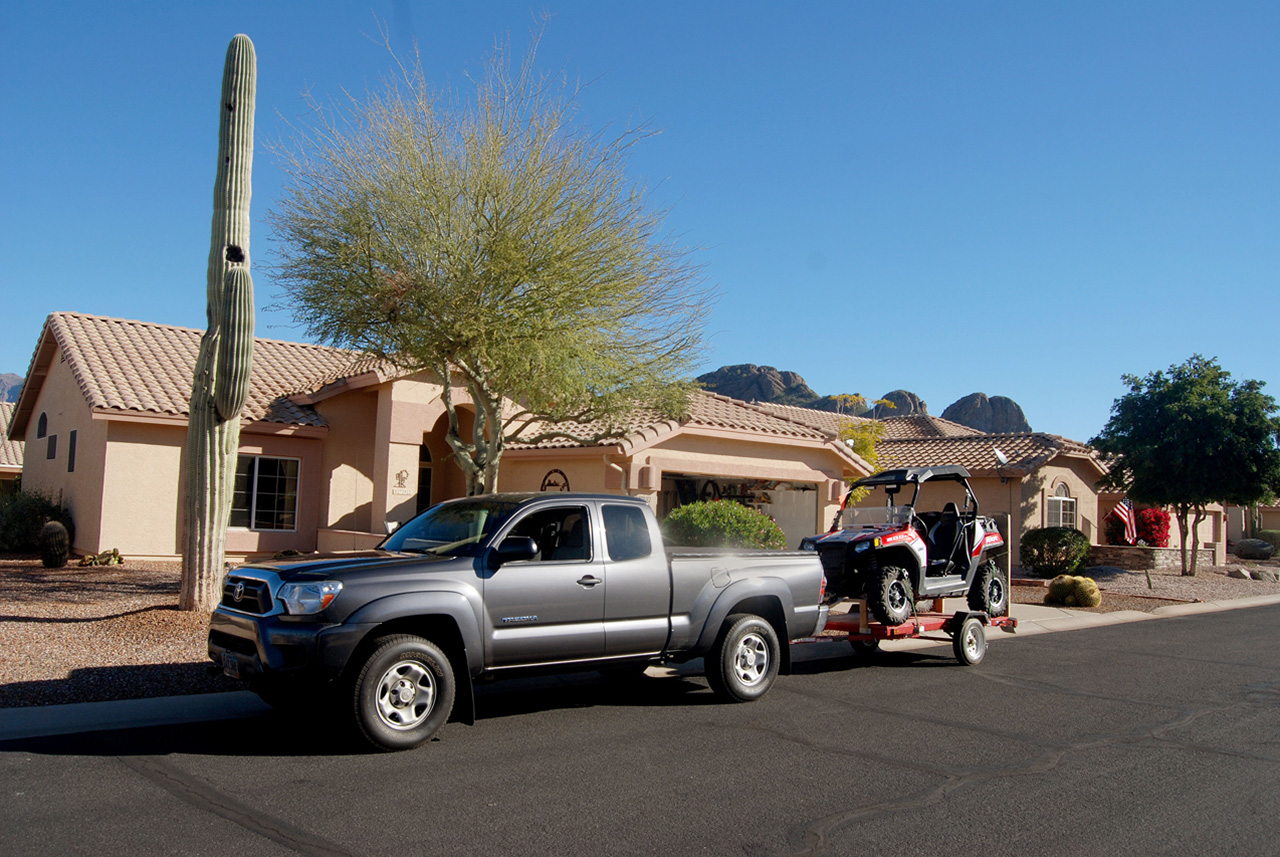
(865, 648)
(744, 662)
(990, 591)
(889, 596)
(403, 693)
(970, 642)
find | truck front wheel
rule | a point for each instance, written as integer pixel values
(404, 692)
(744, 662)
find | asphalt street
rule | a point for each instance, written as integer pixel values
(1156, 737)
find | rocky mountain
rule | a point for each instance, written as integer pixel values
(993, 415)
(753, 383)
(10, 387)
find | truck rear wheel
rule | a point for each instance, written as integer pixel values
(990, 591)
(889, 596)
(404, 692)
(744, 662)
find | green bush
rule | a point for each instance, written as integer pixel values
(22, 516)
(1272, 536)
(722, 524)
(1050, 551)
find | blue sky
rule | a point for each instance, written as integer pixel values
(1021, 199)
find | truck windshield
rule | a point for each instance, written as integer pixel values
(451, 529)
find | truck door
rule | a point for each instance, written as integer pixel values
(638, 601)
(549, 608)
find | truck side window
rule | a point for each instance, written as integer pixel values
(627, 532)
(563, 534)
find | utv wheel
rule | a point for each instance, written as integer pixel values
(990, 591)
(889, 596)
(403, 694)
(744, 662)
(970, 642)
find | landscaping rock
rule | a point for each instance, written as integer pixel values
(1254, 549)
(1266, 574)
(1240, 574)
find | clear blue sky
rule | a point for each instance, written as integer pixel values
(1022, 199)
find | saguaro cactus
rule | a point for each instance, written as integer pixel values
(220, 386)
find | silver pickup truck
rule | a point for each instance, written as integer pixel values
(501, 583)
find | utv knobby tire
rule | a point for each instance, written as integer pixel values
(990, 591)
(889, 596)
(744, 662)
(403, 693)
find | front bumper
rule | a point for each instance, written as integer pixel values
(252, 647)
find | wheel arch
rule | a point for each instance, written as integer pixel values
(770, 605)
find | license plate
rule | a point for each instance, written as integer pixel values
(230, 665)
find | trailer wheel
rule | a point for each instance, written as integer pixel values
(889, 596)
(970, 642)
(744, 662)
(403, 693)
(990, 591)
(865, 649)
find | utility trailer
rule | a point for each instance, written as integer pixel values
(965, 630)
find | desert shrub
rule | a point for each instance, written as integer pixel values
(1050, 551)
(1113, 530)
(1068, 591)
(1272, 536)
(722, 524)
(22, 516)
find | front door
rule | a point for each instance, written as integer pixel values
(549, 608)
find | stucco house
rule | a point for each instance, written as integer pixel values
(1045, 481)
(10, 452)
(335, 450)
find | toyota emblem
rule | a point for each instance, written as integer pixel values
(238, 592)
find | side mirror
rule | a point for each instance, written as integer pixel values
(513, 549)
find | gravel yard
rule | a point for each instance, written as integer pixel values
(90, 634)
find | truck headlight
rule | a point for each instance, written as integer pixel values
(310, 597)
(861, 546)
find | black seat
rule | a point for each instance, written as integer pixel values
(944, 537)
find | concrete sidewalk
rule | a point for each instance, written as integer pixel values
(46, 720)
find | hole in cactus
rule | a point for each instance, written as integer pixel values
(231, 108)
(234, 253)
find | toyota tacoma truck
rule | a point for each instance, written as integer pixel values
(392, 639)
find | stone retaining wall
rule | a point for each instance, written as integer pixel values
(1138, 558)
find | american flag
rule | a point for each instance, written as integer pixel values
(1124, 511)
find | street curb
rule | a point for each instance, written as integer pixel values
(47, 720)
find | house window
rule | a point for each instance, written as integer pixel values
(52, 452)
(71, 452)
(424, 478)
(42, 426)
(266, 493)
(1061, 508)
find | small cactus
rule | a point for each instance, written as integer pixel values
(55, 545)
(1068, 591)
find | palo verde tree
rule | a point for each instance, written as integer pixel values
(494, 241)
(1189, 437)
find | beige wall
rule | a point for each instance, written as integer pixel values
(61, 401)
(141, 487)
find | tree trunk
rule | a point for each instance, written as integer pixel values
(1183, 512)
(1195, 540)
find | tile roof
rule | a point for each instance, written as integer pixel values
(828, 422)
(706, 410)
(147, 368)
(1026, 451)
(918, 426)
(10, 450)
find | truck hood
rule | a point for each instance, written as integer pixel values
(347, 564)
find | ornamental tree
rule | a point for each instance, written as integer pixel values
(493, 240)
(1190, 437)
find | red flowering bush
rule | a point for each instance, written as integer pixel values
(1152, 526)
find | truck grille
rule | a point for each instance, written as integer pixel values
(246, 595)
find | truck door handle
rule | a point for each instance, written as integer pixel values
(589, 581)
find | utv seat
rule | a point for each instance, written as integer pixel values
(944, 538)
